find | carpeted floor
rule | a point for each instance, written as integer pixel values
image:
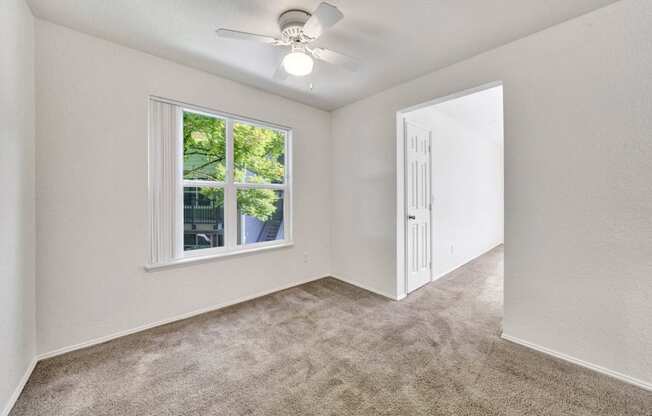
(328, 348)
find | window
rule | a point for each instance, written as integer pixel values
(218, 184)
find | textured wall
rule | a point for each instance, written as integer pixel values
(91, 182)
(578, 184)
(17, 220)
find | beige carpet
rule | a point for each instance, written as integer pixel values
(328, 348)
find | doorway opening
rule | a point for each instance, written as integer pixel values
(450, 184)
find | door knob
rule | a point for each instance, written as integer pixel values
(411, 217)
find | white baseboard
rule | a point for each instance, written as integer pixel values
(465, 262)
(19, 388)
(119, 334)
(356, 284)
(12, 400)
(451, 270)
(622, 377)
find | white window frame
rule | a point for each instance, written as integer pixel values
(175, 184)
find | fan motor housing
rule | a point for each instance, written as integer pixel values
(291, 23)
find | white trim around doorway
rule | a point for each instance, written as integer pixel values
(401, 218)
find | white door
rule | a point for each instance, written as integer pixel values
(418, 205)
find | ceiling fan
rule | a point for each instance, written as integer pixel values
(298, 30)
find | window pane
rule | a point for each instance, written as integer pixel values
(260, 215)
(204, 147)
(259, 154)
(203, 218)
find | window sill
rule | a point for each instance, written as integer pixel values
(202, 258)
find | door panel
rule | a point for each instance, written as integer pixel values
(418, 206)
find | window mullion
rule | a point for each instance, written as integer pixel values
(230, 193)
(178, 184)
(276, 186)
(202, 183)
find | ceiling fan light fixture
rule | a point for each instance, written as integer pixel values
(299, 29)
(298, 63)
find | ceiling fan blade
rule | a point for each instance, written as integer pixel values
(236, 34)
(325, 16)
(336, 58)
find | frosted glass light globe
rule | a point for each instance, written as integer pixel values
(298, 64)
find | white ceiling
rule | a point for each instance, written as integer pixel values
(480, 111)
(395, 40)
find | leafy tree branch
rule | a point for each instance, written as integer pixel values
(258, 156)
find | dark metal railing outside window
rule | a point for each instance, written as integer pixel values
(194, 214)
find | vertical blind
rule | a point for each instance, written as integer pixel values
(163, 177)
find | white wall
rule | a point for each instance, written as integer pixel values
(578, 175)
(17, 223)
(467, 176)
(91, 185)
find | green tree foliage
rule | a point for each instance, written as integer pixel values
(258, 155)
(259, 203)
(204, 147)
